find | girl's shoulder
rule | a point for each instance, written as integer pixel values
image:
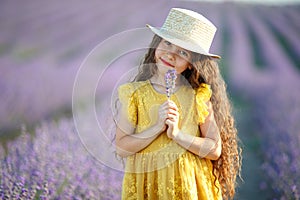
(133, 85)
(203, 95)
(204, 92)
(129, 89)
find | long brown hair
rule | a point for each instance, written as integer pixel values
(206, 70)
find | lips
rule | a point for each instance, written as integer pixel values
(166, 63)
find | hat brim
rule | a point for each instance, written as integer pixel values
(180, 41)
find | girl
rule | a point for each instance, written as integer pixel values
(184, 146)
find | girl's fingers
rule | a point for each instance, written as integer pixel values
(168, 115)
(173, 112)
(165, 106)
(169, 105)
(163, 114)
(172, 105)
(173, 116)
(169, 110)
(168, 122)
(166, 112)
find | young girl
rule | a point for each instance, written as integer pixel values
(181, 145)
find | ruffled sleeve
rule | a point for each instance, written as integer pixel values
(128, 103)
(203, 94)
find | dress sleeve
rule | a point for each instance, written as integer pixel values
(128, 108)
(203, 94)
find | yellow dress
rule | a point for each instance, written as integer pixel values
(164, 170)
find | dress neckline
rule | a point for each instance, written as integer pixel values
(159, 93)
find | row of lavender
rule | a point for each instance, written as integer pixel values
(281, 137)
(269, 79)
(55, 165)
(282, 151)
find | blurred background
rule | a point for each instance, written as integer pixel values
(43, 44)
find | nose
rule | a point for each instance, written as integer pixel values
(171, 53)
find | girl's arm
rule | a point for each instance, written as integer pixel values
(208, 146)
(128, 143)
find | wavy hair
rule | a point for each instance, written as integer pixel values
(206, 70)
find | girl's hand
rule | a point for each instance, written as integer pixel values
(172, 120)
(162, 117)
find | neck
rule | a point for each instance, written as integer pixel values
(160, 80)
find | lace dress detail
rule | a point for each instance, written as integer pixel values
(165, 170)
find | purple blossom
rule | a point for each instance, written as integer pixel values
(170, 79)
(29, 170)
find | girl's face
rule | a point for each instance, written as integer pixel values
(169, 56)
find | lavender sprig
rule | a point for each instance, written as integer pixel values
(170, 78)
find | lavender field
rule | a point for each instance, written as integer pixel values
(43, 45)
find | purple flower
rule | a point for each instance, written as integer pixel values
(170, 79)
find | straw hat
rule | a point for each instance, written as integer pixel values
(189, 30)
